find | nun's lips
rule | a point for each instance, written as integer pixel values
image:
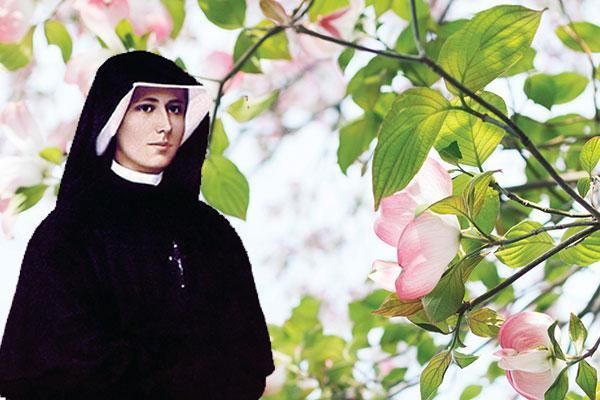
(161, 144)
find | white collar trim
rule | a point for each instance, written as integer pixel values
(135, 176)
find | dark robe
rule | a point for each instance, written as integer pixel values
(129, 290)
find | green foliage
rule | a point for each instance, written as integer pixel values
(463, 360)
(273, 48)
(228, 14)
(356, 137)
(471, 392)
(394, 307)
(17, 55)
(520, 253)
(577, 333)
(27, 197)
(326, 7)
(433, 374)
(580, 36)
(476, 139)
(128, 37)
(485, 322)
(218, 141)
(407, 133)
(52, 154)
(365, 85)
(549, 90)
(446, 297)
(584, 253)
(488, 45)
(559, 388)
(587, 379)
(245, 109)
(176, 9)
(590, 154)
(57, 34)
(224, 186)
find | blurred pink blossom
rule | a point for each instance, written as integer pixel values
(218, 64)
(15, 19)
(82, 68)
(101, 17)
(425, 243)
(339, 24)
(526, 354)
(21, 164)
(150, 16)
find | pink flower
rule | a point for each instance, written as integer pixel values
(81, 69)
(526, 354)
(338, 24)
(15, 17)
(151, 16)
(101, 17)
(426, 243)
(218, 64)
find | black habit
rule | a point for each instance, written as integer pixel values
(129, 290)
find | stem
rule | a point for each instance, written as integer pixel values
(539, 230)
(568, 177)
(445, 12)
(509, 281)
(390, 54)
(415, 28)
(587, 354)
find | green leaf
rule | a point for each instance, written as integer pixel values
(587, 379)
(394, 377)
(407, 133)
(366, 84)
(590, 154)
(453, 205)
(583, 186)
(525, 64)
(326, 7)
(488, 45)
(549, 90)
(345, 57)
(485, 322)
(224, 186)
(588, 32)
(419, 74)
(446, 297)
(402, 9)
(433, 374)
(176, 9)
(28, 196)
(475, 193)
(556, 350)
(392, 306)
(57, 34)
(559, 388)
(228, 14)
(218, 141)
(17, 55)
(422, 320)
(471, 392)
(355, 139)
(245, 109)
(52, 154)
(451, 153)
(520, 253)
(476, 139)
(274, 48)
(585, 252)
(130, 40)
(464, 360)
(577, 332)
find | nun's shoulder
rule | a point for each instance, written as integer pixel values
(215, 222)
(57, 229)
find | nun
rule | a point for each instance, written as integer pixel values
(133, 288)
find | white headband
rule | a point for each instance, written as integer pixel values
(199, 103)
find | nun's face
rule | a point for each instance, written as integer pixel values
(152, 129)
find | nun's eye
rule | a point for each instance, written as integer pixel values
(175, 108)
(145, 107)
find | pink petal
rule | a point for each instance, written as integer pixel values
(425, 249)
(102, 17)
(397, 211)
(23, 130)
(525, 330)
(151, 16)
(431, 183)
(82, 68)
(15, 17)
(532, 385)
(385, 274)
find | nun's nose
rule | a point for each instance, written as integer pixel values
(163, 123)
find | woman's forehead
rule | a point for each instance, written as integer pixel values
(162, 93)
